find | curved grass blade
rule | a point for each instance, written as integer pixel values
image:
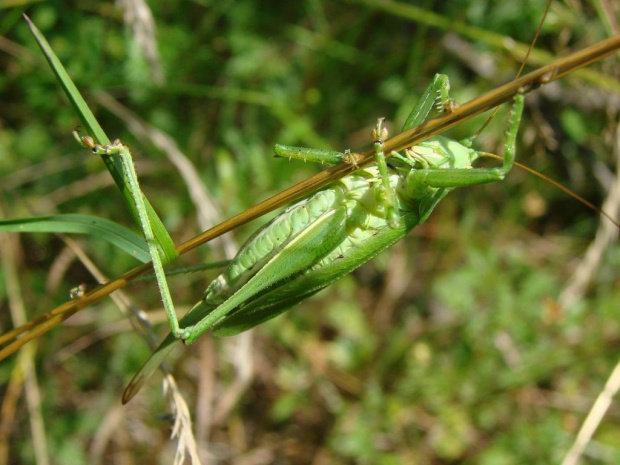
(100, 228)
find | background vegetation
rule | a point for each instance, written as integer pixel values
(465, 343)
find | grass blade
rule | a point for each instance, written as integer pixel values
(96, 227)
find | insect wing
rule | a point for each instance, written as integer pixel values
(309, 282)
(267, 242)
(298, 255)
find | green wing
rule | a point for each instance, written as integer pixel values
(302, 252)
(309, 282)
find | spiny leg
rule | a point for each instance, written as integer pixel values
(329, 157)
(458, 177)
(437, 94)
(131, 178)
(379, 134)
(514, 121)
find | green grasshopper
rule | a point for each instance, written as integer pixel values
(326, 236)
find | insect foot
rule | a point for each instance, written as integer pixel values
(351, 158)
(184, 334)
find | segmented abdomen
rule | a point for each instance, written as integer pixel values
(268, 241)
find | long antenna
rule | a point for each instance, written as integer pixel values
(564, 189)
(520, 70)
(554, 183)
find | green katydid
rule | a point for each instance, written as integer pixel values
(326, 236)
(19, 336)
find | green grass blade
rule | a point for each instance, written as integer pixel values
(100, 228)
(164, 241)
(73, 94)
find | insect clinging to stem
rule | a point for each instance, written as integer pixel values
(326, 236)
(318, 240)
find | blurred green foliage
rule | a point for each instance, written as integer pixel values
(451, 348)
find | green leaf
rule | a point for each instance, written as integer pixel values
(100, 228)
